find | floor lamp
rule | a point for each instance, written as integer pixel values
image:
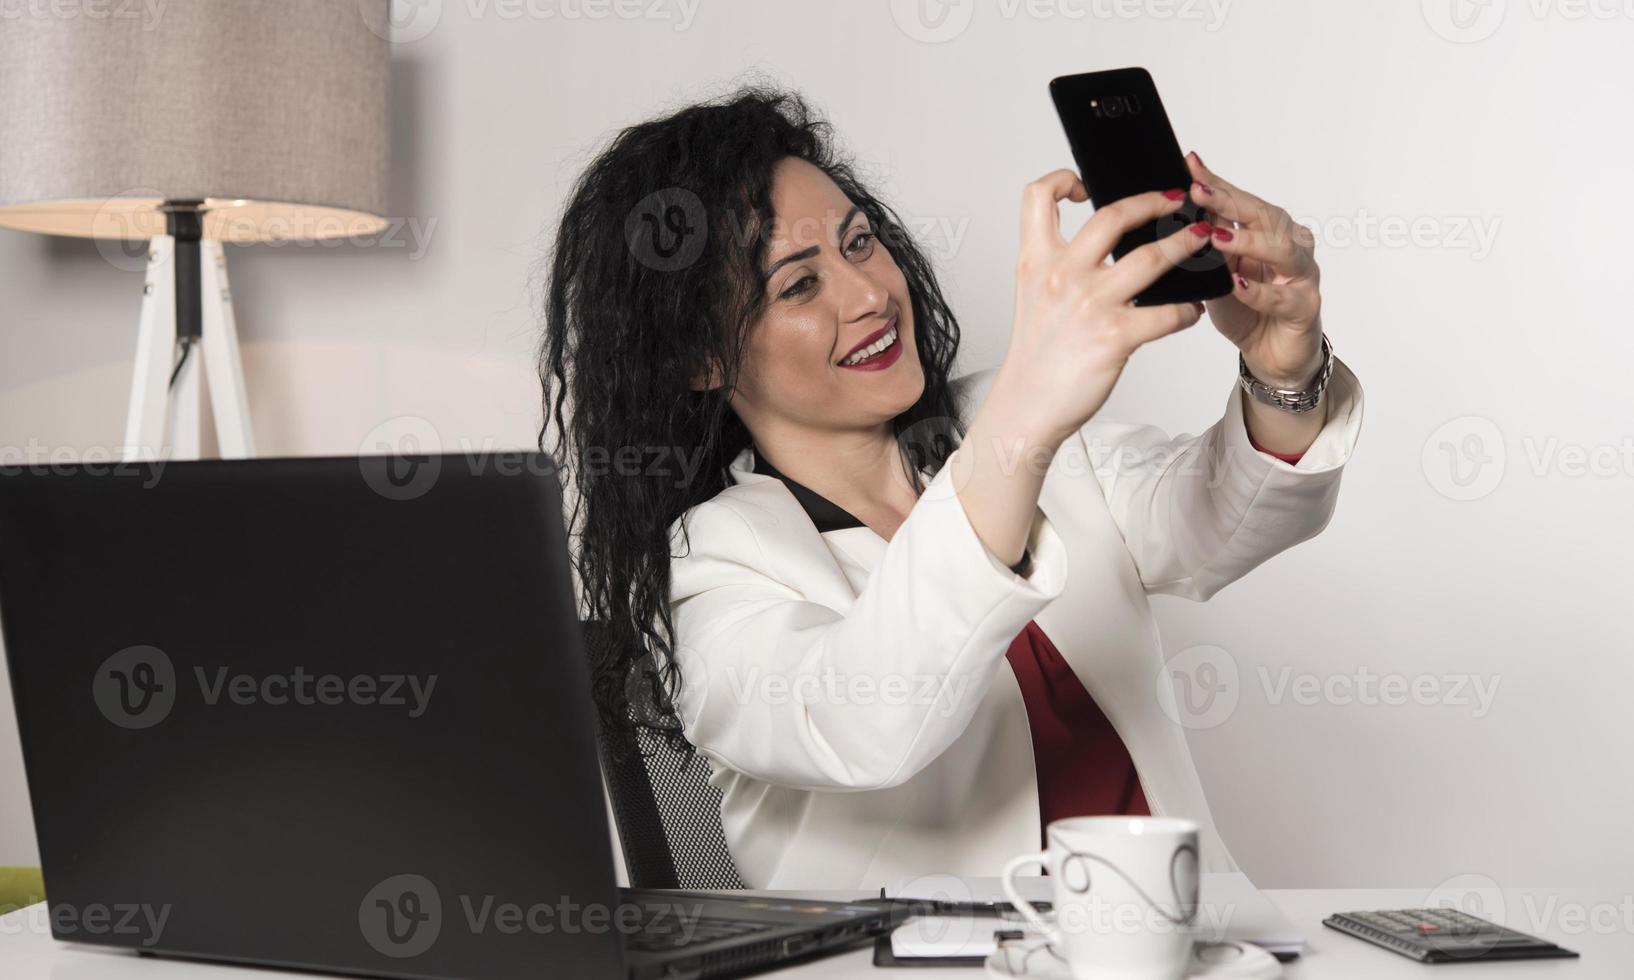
(251, 121)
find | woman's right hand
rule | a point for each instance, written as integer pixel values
(1075, 323)
(1074, 330)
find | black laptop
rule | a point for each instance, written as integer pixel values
(333, 714)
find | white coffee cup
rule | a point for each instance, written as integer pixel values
(1126, 893)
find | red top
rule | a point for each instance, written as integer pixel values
(1084, 769)
(1285, 457)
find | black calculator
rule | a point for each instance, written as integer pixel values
(1443, 935)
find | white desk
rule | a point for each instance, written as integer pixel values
(1607, 955)
(1596, 923)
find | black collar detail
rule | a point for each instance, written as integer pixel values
(825, 513)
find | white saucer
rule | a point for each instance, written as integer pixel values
(1033, 958)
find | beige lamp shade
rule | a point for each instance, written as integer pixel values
(271, 112)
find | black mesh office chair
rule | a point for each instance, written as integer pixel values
(669, 817)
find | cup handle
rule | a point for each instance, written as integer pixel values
(1007, 879)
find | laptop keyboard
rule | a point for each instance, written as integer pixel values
(662, 930)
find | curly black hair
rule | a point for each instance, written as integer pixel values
(629, 323)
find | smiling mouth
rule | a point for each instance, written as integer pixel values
(874, 350)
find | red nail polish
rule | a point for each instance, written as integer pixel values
(1221, 235)
(1201, 229)
(1241, 282)
(1199, 157)
(1206, 189)
(1175, 195)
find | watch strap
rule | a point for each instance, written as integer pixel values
(1288, 399)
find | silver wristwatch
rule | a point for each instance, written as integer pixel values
(1288, 399)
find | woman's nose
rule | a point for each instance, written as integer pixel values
(861, 292)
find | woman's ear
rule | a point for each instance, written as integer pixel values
(707, 378)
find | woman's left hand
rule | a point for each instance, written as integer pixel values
(1274, 311)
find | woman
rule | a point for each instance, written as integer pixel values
(904, 617)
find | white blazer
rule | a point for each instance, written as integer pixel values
(848, 692)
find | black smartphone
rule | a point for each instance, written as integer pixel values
(1123, 144)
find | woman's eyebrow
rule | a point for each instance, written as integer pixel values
(807, 253)
(804, 253)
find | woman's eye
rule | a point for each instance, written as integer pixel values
(862, 245)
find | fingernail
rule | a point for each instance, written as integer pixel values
(1201, 229)
(1175, 195)
(1199, 157)
(1206, 189)
(1198, 306)
(1220, 234)
(1241, 282)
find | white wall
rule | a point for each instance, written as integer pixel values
(1347, 114)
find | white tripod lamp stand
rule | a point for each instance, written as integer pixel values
(250, 121)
